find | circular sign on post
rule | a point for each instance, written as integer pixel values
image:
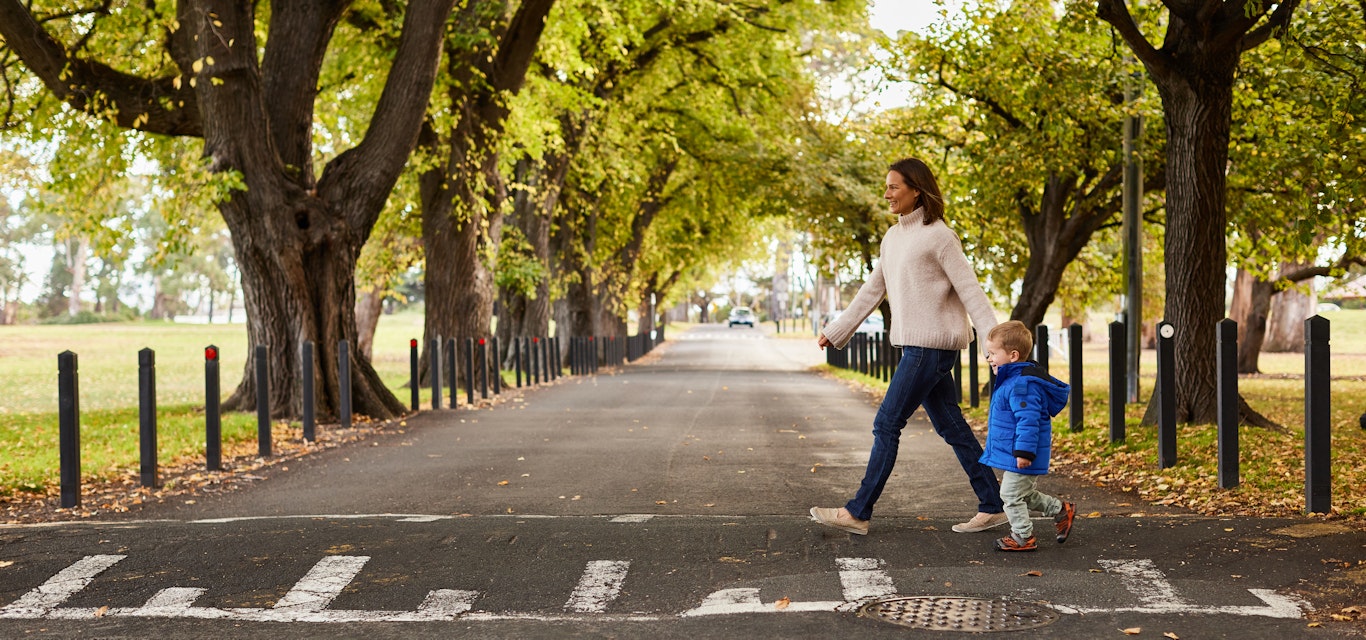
(1167, 331)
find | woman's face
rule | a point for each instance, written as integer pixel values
(901, 199)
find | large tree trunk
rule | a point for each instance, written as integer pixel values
(1289, 309)
(1193, 71)
(1251, 301)
(368, 309)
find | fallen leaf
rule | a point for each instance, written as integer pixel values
(661, 502)
(782, 603)
(99, 613)
(5, 563)
(1315, 625)
(1171, 635)
(1036, 573)
(504, 483)
(1132, 631)
(1097, 570)
(1353, 609)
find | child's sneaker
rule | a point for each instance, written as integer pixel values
(1063, 521)
(1013, 542)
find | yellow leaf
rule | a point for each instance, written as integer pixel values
(197, 65)
(661, 502)
(1132, 631)
(1171, 635)
(782, 603)
(176, 83)
(503, 483)
(99, 613)
(208, 60)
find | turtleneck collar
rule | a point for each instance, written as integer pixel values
(912, 218)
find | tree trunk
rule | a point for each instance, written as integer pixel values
(1198, 116)
(368, 309)
(1289, 309)
(1251, 300)
(78, 251)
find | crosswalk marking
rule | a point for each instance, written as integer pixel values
(47, 596)
(863, 578)
(600, 584)
(322, 583)
(308, 600)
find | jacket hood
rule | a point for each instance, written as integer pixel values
(1056, 392)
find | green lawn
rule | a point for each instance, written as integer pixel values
(108, 376)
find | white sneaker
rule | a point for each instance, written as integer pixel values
(837, 519)
(981, 522)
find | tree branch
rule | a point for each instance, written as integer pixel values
(154, 105)
(1116, 12)
(359, 180)
(1279, 20)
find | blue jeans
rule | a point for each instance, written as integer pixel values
(923, 379)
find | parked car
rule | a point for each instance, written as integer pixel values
(741, 315)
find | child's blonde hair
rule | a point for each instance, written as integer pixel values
(1013, 335)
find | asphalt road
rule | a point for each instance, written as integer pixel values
(666, 500)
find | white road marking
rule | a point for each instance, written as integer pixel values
(864, 578)
(49, 595)
(633, 518)
(1143, 579)
(322, 583)
(600, 584)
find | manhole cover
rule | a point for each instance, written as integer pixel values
(959, 614)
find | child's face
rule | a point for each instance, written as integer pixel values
(997, 355)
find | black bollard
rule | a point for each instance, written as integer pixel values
(263, 444)
(213, 416)
(452, 367)
(69, 428)
(958, 378)
(434, 370)
(497, 367)
(306, 368)
(1078, 410)
(1166, 395)
(1317, 418)
(344, 383)
(147, 417)
(469, 371)
(1227, 376)
(1041, 346)
(1118, 394)
(412, 372)
(483, 369)
(517, 359)
(973, 350)
(535, 361)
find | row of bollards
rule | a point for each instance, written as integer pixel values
(538, 357)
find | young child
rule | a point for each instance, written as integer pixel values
(1020, 432)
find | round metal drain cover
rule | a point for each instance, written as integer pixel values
(959, 614)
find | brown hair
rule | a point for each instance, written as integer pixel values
(1013, 335)
(918, 176)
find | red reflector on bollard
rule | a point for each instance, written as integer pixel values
(481, 341)
(210, 353)
(412, 342)
(535, 339)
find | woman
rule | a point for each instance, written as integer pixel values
(932, 291)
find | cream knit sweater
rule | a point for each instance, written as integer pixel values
(930, 285)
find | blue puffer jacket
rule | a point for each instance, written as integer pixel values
(1023, 403)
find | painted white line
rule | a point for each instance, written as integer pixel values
(633, 518)
(424, 518)
(1143, 579)
(746, 600)
(600, 584)
(863, 578)
(322, 583)
(172, 601)
(49, 595)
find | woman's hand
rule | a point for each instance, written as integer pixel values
(824, 342)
